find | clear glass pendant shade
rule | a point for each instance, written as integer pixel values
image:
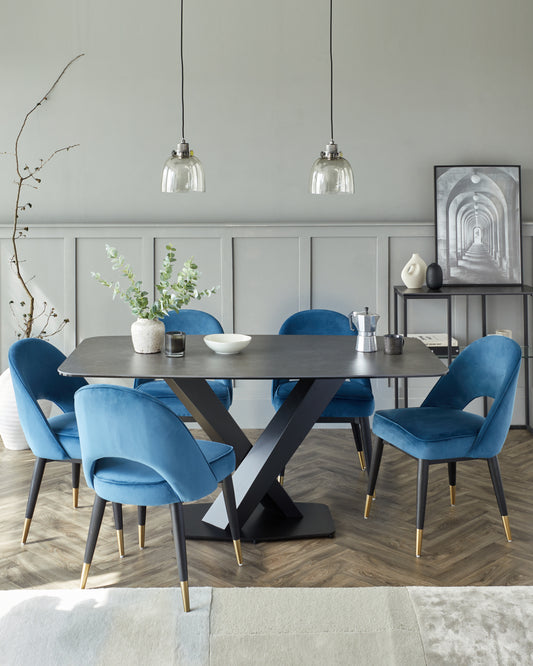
(183, 172)
(331, 173)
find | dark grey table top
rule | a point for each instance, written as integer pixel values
(266, 357)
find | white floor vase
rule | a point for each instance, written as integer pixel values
(10, 428)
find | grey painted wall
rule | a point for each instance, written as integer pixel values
(417, 83)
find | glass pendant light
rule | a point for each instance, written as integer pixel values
(183, 171)
(331, 173)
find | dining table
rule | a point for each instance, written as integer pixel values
(319, 363)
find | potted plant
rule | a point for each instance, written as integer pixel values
(34, 318)
(172, 294)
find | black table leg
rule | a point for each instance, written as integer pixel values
(255, 477)
(405, 381)
(207, 410)
(395, 380)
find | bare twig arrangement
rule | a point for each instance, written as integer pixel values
(28, 176)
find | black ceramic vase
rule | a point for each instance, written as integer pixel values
(434, 276)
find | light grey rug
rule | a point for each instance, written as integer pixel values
(475, 626)
(262, 626)
(104, 626)
(315, 626)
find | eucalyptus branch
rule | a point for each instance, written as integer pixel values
(172, 295)
(23, 175)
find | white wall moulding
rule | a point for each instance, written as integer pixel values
(265, 272)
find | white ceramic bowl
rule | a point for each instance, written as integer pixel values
(227, 343)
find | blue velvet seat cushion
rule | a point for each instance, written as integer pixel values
(429, 433)
(353, 399)
(162, 391)
(129, 482)
(65, 428)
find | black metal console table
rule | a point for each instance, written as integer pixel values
(447, 293)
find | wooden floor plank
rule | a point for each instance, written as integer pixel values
(463, 545)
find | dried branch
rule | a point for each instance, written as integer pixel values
(29, 318)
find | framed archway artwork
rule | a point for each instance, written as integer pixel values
(478, 224)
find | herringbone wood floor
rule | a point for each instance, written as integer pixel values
(464, 545)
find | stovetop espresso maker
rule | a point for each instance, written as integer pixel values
(365, 323)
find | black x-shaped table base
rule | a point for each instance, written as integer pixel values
(266, 511)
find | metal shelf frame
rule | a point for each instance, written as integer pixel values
(448, 293)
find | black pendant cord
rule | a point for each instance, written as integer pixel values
(331, 66)
(182, 76)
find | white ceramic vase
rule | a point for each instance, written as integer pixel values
(147, 335)
(414, 272)
(10, 428)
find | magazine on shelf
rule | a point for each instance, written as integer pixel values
(437, 342)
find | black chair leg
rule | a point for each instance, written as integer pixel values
(178, 530)
(495, 475)
(356, 432)
(231, 509)
(373, 475)
(92, 537)
(367, 439)
(117, 515)
(421, 496)
(76, 468)
(38, 471)
(452, 476)
(141, 522)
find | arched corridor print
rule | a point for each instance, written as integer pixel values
(478, 228)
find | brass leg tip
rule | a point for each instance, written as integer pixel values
(281, 479)
(141, 537)
(84, 575)
(185, 595)
(25, 530)
(452, 495)
(238, 551)
(120, 540)
(368, 504)
(362, 460)
(75, 495)
(418, 542)
(507, 527)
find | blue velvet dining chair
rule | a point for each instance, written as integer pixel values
(135, 450)
(191, 322)
(441, 431)
(354, 402)
(33, 364)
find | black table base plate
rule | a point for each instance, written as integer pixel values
(264, 525)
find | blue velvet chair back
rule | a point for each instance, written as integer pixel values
(192, 322)
(34, 365)
(487, 367)
(316, 322)
(118, 423)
